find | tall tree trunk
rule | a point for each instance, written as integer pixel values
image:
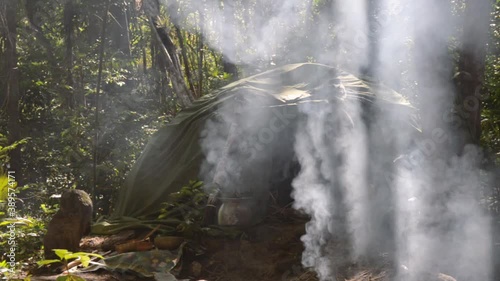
(68, 23)
(175, 18)
(228, 39)
(152, 47)
(173, 66)
(11, 84)
(471, 65)
(161, 81)
(201, 52)
(185, 60)
(119, 29)
(137, 27)
(31, 7)
(98, 92)
(169, 50)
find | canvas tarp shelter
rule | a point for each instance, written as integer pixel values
(173, 155)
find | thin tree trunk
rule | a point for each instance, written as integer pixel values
(472, 63)
(193, 54)
(228, 36)
(152, 47)
(141, 36)
(126, 20)
(215, 56)
(11, 85)
(98, 92)
(172, 63)
(201, 52)
(144, 58)
(69, 13)
(118, 27)
(30, 7)
(152, 10)
(161, 81)
(185, 60)
(175, 19)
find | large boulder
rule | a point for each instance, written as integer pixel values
(70, 223)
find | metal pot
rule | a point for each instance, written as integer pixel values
(237, 211)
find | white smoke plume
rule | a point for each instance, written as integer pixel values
(423, 207)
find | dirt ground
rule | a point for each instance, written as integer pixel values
(272, 251)
(269, 251)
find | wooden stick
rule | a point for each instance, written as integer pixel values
(151, 233)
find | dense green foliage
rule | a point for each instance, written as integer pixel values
(491, 103)
(58, 98)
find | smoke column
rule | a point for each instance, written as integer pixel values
(440, 224)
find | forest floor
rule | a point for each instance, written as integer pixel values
(269, 251)
(272, 251)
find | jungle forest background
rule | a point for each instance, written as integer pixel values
(85, 83)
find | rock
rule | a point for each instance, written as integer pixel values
(195, 269)
(75, 202)
(69, 224)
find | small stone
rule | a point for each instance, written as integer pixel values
(195, 269)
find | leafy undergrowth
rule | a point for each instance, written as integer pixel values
(20, 246)
(270, 250)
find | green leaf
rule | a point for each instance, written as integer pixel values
(85, 260)
(44, 208)
(45, 262)
(21, 221)
(4, 223)
(4, 186)
(71, 256)
(197, 184)
(61, 253)
(89, 254)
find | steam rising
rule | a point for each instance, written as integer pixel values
(366, 178)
